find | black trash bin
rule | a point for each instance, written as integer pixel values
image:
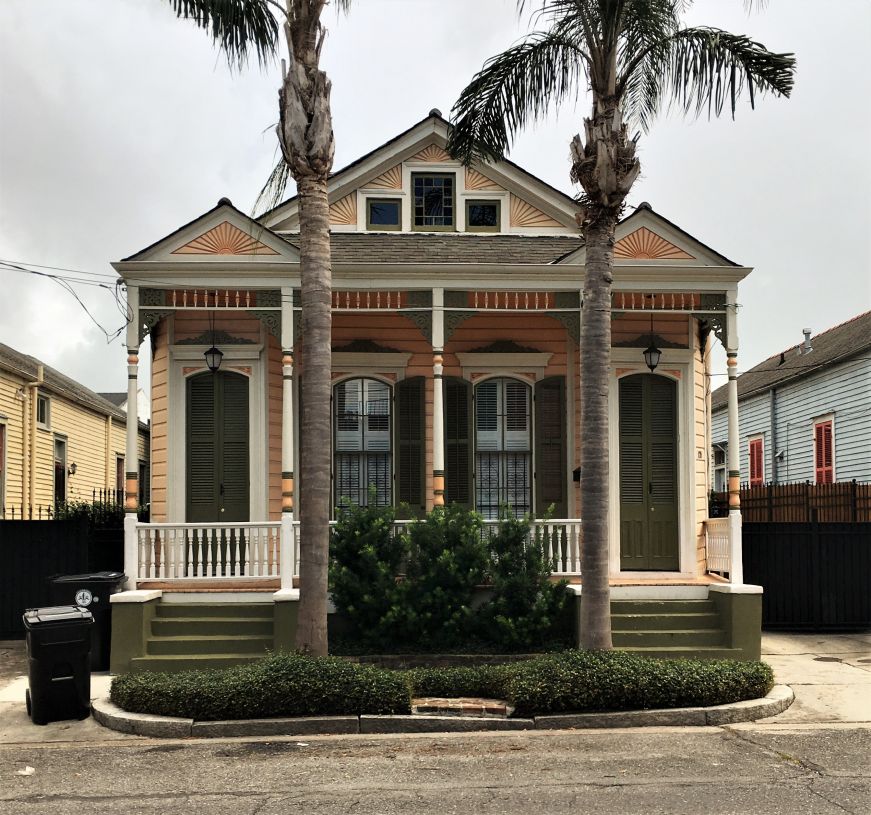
(58, 650)
(91, 591)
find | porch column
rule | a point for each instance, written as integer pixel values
(736, 564)
(286, 554)
(438, 429)
(131, 486)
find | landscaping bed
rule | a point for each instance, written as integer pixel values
(287, 684)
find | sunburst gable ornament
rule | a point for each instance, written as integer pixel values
(642, 244)
(225, 239)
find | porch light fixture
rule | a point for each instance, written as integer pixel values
(213, 355)
(72, 468)
(651, 354)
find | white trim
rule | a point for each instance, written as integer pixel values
(249, 356)
(514, 365)
(651, 592)
(4, 458)
(682, 361)
(136, 596)
(375, 365)
(735, 588)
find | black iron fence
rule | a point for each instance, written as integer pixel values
(105, 508)
(802, 502)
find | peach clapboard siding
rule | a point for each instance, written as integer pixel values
(159, 409)
(701, 452)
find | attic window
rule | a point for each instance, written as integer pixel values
(433, 201)
(383, 214)
(483, 216)
(43, 412)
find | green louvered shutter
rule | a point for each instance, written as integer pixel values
(458, 441)
(550, 447)
(234, 448)
(410, 435)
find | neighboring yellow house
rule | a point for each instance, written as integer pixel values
(59, 441)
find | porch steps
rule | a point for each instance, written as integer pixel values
(670, 629)
(196, 636)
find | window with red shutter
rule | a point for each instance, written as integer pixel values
(824, 471)
(757, 468)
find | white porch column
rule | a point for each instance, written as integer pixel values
(438, 429)
(736, 564)
(286, 553)
(131, 486)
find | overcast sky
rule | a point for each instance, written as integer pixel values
(119, 123)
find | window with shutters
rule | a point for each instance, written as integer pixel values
(824, 451)
(503, 447)
(756, 448)
(362, 443)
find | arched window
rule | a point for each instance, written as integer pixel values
(362, 433)
(503, 447)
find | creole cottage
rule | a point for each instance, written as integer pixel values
(456, 323)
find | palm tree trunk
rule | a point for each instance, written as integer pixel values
(595, 621)
(316, 436)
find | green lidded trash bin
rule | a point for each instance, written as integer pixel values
(58, 651)
(91, 591)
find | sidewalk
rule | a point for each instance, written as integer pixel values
(829, 673)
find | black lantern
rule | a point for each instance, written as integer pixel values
(652, 354)
(213, 355)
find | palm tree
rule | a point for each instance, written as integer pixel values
(633, 56)
(305, 132)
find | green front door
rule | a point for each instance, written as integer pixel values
(217, 448)
(648, 474)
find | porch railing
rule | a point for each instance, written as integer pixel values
(718, 549)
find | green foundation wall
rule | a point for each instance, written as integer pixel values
(284, 625)
(741, 617)
(131, 623)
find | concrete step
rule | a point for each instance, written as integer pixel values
(699, 637)
(176, 610)
(663, 607)
(209, 644)
(215, 626)
(661, 622)
(686, 652)
(173, 663)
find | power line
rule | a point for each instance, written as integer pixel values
(59, 268)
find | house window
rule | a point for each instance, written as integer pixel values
(362, 431)
(120, 478)
(433, 201)
(757, 462)
(719, 468)
(144, 486)
(43, 412)
(2, 469)
(60, 471)
(824, 452)
(503, 447)
(483, 216)
(383, 214)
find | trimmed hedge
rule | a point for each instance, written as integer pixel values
(572, 681)
(581, 681)
(285, 684)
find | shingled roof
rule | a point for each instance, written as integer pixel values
(384, 247)
(56, 382)
(832, 346)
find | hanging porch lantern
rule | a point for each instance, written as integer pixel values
(213, 358)
(652, 354)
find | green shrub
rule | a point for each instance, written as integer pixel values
(479, 680)
(527, 610)
(617, 680)
(447, 561)
(365, 559)
(279, 685)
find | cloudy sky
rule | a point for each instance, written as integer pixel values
(119, 123)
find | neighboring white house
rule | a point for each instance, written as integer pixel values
(805, 413)
(143, 403)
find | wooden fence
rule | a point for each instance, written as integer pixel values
(803, 502)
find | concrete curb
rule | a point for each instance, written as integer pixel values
(144, 724)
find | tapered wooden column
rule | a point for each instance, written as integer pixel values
(438, 423)
(287, 557)
(736, 565)
(131, 486)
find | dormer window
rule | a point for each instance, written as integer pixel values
(483, 216)
(433, 201)
(383, 214)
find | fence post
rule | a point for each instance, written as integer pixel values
(131, 551)
(285, 557)
(853, 501)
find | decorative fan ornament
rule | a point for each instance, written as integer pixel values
(479, 181)
(642, 244)
(225, 239)
(344, 211)
(432, 153)
(524, 214)
(391, 180)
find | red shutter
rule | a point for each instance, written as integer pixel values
(757, 471)
(823, 469)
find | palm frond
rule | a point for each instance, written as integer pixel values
(272, 193)
(702, 68)
(237, 27)
(513, 88)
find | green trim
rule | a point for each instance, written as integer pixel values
(383, 227)
(453, 226)
(478, 202)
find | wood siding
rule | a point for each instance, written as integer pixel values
(701, 482)
(159, 415)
